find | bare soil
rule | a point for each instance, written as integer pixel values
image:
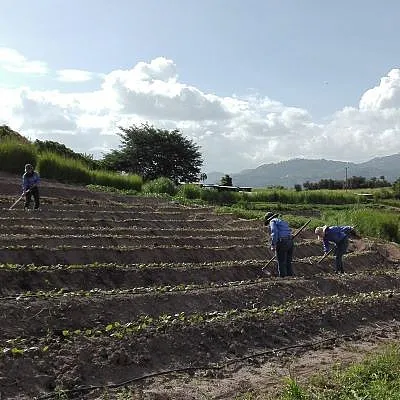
(221, 325)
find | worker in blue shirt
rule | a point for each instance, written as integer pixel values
(30, 182)
(339, 235)
(281, 243)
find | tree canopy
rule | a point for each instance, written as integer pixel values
(153, 153)
(226, 180)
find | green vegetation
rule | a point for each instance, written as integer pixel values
(131, 182)
(353, 182)
(160, 170)
(60, 149)
(377, 377)
(145, 323)
(322, 196)
(155, 153)
(15, 154)
(376, 223)
(7, 133)
(160, 186)
(54, 166)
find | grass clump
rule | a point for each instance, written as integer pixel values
(160, 186)
(377, 377)
(111, 179)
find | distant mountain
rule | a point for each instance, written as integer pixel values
(297, 171)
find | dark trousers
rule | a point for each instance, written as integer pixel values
(284, 255)
(28, 197)
(340, 250)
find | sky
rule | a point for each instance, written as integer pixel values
(250, 82)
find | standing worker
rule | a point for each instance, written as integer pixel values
(30, 181)
(338, 235)
(281, 243)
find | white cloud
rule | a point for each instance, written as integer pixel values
(13, 61)
(386, 95)
(152, 91)
(74, 75)
(233, 132)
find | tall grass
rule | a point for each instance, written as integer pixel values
(304, 197)
(370, 222)
(53, 166)
(115, 180)
(14, 155)
(286, 196)
(189, 191)
(160, 186)
(69, 170)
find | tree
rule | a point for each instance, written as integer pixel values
(203, 177)
(396, 188)
(226, 180)
(154, 153)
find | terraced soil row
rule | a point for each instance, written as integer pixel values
(99, 288)
(119, 352)
(38, 313)
(148, 222)
(245, 232)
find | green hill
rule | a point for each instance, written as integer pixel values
(6, 132)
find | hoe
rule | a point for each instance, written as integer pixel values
(18, 200)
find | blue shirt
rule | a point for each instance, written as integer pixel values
(335, 234)
(279, 229)
(29, 180)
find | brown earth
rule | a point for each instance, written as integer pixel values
(197, 316)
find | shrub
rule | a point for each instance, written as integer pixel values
(118, 181)
(190, 191)
(221, 198)
(160, 185)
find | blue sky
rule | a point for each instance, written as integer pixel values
(315, 56)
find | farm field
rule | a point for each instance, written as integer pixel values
(104, 294)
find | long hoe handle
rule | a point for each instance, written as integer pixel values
(18, 200)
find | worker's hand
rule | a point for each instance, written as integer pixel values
(272, 247)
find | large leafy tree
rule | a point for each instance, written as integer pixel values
(153, 153)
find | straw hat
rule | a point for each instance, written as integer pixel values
(320, 231)
(269, 216)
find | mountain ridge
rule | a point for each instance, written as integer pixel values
(300, 170)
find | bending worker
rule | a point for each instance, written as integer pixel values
(281, 243)
(339, 235)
